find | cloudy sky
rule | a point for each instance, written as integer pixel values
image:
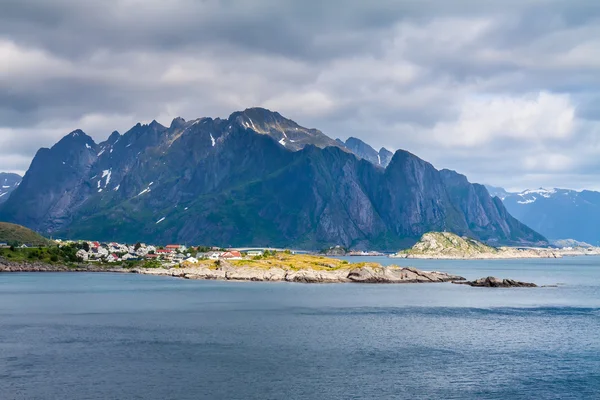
(506, 92)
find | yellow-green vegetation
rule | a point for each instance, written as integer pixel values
(17, 235)
(151, 264)
(298, 262)
(283, 260)
(449, 244)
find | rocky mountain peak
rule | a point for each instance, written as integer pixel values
(155, 125)
(77, 135)
(366, 152)
(74, 142)
(283, 130)
(177, 123)
(114, 137)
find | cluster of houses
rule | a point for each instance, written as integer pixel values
(169, 255)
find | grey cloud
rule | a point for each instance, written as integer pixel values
(389, 72)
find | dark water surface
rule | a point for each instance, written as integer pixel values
(111, 336)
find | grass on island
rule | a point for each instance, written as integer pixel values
(17, 235)
(286, 261)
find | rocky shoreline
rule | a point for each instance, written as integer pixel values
(11, 266)
(365, 274)
(226, 272)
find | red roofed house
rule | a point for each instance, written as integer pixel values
(232, 255)
(175, 247)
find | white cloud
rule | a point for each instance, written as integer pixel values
(16, 61)
(532, 118)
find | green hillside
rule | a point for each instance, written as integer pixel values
(18, 235)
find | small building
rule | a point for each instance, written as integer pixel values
(191, 260)
(112, 258)
(255, 253)
(232, 255)
(214, 255)
(176, 247)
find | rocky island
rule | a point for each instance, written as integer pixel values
(283, 267)
(445, 245)
(492, 281)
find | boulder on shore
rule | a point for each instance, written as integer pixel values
(492, 281)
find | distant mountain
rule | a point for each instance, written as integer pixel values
(558, 213)
(255, 178)
(497, 192)
(8, 183)
(361, 149)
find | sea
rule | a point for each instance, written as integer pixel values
(125, 336)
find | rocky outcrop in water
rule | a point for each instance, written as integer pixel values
(366, 274)
(448, 246)
(492, 281)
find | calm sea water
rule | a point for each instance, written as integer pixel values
(110, 336)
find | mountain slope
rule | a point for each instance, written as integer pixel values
(558, 213)
(8, 183)
(241, 182)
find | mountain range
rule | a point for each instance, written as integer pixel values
(8, 183)
(556, 213)
(255, 178)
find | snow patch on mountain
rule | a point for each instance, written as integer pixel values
(107, 173)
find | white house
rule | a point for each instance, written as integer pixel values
(214, 255)
(82, 254)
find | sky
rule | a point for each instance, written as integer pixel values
(505, 92)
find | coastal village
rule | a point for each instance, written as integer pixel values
(170, 255)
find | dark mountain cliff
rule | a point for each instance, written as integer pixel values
(255, 178)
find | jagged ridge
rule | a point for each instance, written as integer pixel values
(237, 182)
